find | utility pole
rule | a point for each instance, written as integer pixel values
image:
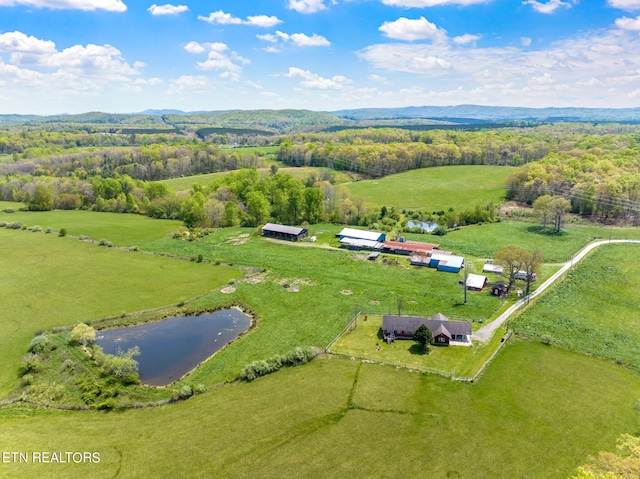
(464, 286)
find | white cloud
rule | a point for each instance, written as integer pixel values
(218, 59)
(588, 69)
(314, 40)
(629, 23)
(430, 3)
(420, 29)
(466, 39)
(268, 37)
(21, 43)
(167, 9)
(109, 5)
(223, 18)
(190, 84)
(262, 21)
(314, 81)
(525, 41)
(549, 7)
(379, 79)
(298, 39)
(307, 6)
(625, 4)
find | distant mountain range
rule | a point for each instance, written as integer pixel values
(495, 113)
(289, 121)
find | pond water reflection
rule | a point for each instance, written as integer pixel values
(171, 348)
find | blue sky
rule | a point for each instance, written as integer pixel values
(72, 56)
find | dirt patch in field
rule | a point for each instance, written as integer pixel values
(346, 292)
(374, 302)
(293, 285)
(228, 290)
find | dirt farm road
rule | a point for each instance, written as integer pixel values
(485, 333)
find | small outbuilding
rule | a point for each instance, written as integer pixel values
(499, 288)
(283, 232)
(448, 263)
(476, 282)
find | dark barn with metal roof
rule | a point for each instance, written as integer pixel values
(283, 232)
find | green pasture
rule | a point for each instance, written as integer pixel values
(331, 286)
(120, 229)
(482, 241)
(259, 150)
(48, 281)
(10, 204)
(538, 412)
(437, 188)
(595, 309)
(458, 361)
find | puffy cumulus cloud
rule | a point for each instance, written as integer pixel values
(549, 7)
(316, 82)
(18, 42)
(625, 4)
(525, 41)
(109, 5)
(223, 18)
(632, 24)
(35, 57)
(466, 39)
(410, 30)
(298, 39)
(196, 48)
(167, 9)
(307, 6)
(229, 64)
(592, 68)
(430, 3)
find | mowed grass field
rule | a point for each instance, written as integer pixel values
(48, 281)
(596, 309)
(437, 188)
(538, 412)
(120, 229)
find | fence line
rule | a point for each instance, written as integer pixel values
(495, 353)
(392, 362)
(355, 318)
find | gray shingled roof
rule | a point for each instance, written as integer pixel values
(411, 323)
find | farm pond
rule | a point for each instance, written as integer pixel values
(171, 348)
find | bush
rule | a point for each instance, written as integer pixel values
(262, 368)
(48, 231)
(83, 334)
(40, 344)
(440, 230)
(104, 242)
(36, 229)
(183, 393)
(31, 364)
(14, 226)
(63, 232)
